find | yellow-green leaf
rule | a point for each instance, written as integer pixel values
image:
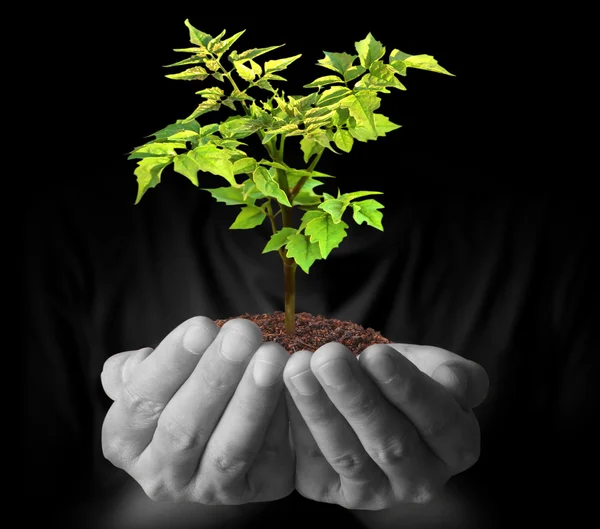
(247, 74)
(267, 185)
(232, 196)
(156, 149)
(366, 211)
(248, 218)
(197, 73)
(384, 125)
(308, 216)
(186, 166)
(279, 239)
(400, 61)
(361, 105)
(244, 166)
(148, 173)
(343, 140)
(303, 251)
(335, 208)
(280, 64)
(323, 81)
(369, 50)
(338, 62)
(214, 160)
(197, 37)
(327, 233)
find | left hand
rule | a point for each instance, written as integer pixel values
(389, 428)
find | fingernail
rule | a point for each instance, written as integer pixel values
(196, 339)
(383, 368)
(336, 373)
(235, 346)
(266, 373)
(305, 383)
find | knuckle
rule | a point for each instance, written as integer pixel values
(418, 492)
(218, 383)
(226, 462)
(139, 405)
(362, 406)
(177, 436)
(112, 450)
(390, 452)
(442, 426)
(412, 387)
(349, 463)
(156, 490)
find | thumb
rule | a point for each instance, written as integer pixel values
(118, 368)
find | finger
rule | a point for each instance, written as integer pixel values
(467, 381)
(117, 369)
(315, 477)
(191, 415)
(386, 434)
(130, 422)
(240, 432)
(450, 431)
(335, 438)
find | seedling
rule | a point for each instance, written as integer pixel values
(339, 110)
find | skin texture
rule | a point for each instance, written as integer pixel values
(191, 423)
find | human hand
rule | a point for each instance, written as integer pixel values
(194, 421)
(388, 429)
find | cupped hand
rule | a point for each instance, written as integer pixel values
(202, 418)
(389, 428)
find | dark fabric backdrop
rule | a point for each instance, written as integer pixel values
(486, 250)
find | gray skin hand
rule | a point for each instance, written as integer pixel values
(386, 430)
(202, 418)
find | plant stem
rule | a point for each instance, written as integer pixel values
(310, 169)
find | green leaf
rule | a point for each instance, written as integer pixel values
(343, 140)
(327, 233)
(280, 64)
(156, 149)
(381, 76)
(223, 46)
(213, 92)
(171, 130)
(214, 42)
(348, 197)
(267, 185)
(214, 160)
(323, 81)
(248, 218)
(384, 125)
(199, 51)
(369, 50)
(310, 148)
(353, 72)
(308, 216)
(238, 127)
(333, 95)
(207, 105)
(197, 37)
(303, 251)
(247, 74)
(218, 76)
(186, 166)
(244, 166)
(340, 117)
(250, 192)
(251, 54)
(189, 60)
(361, 105)
(366, 211)
(148, 173)
(291, 129)
(279, 239)
(197, 73)
(400, 61)
(335, 208)
(256, 68)
(232, 196)
(338, 62)
(265, 85)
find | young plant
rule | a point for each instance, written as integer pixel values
(326, 118)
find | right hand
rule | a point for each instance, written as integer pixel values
(189, 421)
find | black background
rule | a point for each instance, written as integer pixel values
(490, 131)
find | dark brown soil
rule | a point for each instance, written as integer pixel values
(312, 332)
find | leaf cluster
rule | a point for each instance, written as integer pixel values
(340, 109)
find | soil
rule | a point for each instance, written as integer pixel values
(312, 332)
